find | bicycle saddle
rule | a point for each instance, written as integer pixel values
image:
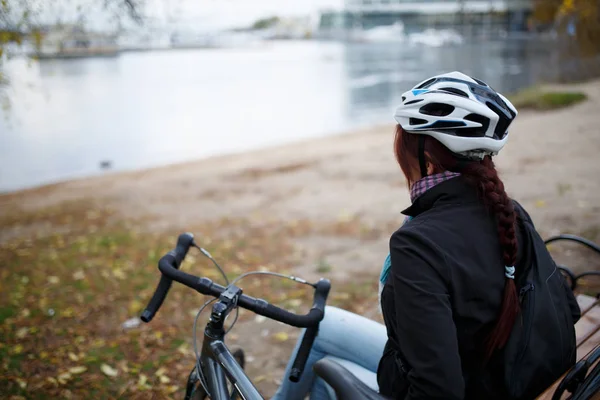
(343, 382)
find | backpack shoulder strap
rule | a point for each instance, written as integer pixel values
(524, 253)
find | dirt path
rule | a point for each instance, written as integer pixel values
(551, 165)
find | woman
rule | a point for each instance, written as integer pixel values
(449, 297)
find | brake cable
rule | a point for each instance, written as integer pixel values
(199, 370)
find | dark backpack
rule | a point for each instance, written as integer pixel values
(542, 344)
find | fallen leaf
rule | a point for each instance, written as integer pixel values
(77, 370)
(118, 273)
(160, 371)
(164, 379)
(22, 332)
(295, 302)
(73, 357)
(142, 380)
(18, 349)
(135, 306)
(172, 389)
(341, 296)
(22, 383)
(52, 380)
(67, 313)
(63, 378)
(53, 280)
(25, 313)
(344, 216)
(79, 275)
(281, 336)
(184, 349)
(124, 366)
(108, 370)
(131, 323)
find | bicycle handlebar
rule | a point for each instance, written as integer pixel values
(169, 268)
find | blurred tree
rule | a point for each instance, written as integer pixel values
(265, 23)
(23, 20)
(579, 19)
(577, 24)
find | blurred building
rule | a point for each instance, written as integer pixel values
(482, 16)
(72, 41)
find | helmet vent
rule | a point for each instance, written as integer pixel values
(426, 84)
(503, 121)
(403, 99)
(455, 91)
(480, 82)
(416, 121)
(446, 124)
(476, 132)
(437, 109)
(413, 102)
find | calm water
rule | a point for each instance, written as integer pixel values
(146, 109)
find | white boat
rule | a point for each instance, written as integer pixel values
(384, 33)
(436, 38)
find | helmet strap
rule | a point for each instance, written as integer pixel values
(422, 163)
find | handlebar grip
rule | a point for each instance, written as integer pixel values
(321, 292)
(175, 258)
(157, 299)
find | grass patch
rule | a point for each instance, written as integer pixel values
(536, 98)
(6, 312)
(323, 267)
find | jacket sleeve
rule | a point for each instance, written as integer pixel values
(426, 332)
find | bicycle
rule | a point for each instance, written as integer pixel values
(216, 366)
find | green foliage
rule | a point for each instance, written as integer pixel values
(265, 23)
(539, 99)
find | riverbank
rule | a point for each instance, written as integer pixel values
(80, 256)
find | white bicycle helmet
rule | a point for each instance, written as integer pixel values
(465, 114)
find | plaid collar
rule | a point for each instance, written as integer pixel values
(426, 183)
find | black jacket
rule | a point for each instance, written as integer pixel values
(442, 297)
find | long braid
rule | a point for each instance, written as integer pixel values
(484, 176)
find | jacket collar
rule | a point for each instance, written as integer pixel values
(452, 191)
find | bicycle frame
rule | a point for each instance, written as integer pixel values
(217, 363)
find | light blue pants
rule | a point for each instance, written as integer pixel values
(353, 341)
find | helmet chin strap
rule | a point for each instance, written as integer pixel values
(422, 163)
